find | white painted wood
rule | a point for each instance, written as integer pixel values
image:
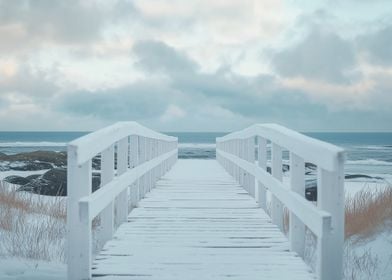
(92, 144)
(297, 184)
(84, 206)
(311, 150)
(107, 175)
(122, 167)
(330, 197)
(315, 219)
(97, 201)
(198, 225)
(276, 166)
(251, 158)
(134, 161)
(79, 232)
(262, 162)
(327, 222)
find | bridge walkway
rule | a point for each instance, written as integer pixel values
(198, 223)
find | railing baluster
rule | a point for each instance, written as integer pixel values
(262, 162)
(122, 167)
(107, 174)
(251, 158)
(276, 205)
(134, 161)
(296, 227)
(79, 232)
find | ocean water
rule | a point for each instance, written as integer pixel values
(367, 153)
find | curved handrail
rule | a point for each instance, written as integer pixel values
(312, 150)
(86, 147)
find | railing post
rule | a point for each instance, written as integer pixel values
(262, 162)
(330, 198)
(251, 158)
(296, 227)
(141, 156)
(122, 167)
(276, 164)
(79, 252)
(107, 174)
(134, 161)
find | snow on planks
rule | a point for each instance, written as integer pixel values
(198, 223)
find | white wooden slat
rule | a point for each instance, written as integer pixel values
(198, 226)
(276, 166)
(107, 214)
(79, 231)
(262, 162)
(122, 167)
(133, 162)
(297, 183)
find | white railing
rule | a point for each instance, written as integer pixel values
(132, 159)
(236, 153)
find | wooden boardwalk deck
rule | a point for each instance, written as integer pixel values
(198, 223)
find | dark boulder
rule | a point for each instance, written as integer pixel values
(54, 183)
(311, 189)
(32, 166)
(32, 177)
(310, 166)
(58, 159)
(17, 180)
(311, 194)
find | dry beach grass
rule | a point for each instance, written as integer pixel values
(31, 226)
(368, 211)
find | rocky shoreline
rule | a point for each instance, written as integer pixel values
(53, 181)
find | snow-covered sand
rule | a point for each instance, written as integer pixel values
(23, 269)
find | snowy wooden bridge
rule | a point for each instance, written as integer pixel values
(163, 218)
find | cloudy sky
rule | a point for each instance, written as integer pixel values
(196, 65)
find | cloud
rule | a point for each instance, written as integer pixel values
(21, 81)
(321, 55)
(172, 113)
(377, 46)
(27, 24)
(154, 56)
(137, 101)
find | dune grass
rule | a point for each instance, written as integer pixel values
(31, 226)
(368, 211)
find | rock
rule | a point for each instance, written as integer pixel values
(17, 180)
(311, 194)
(32, 166)
(32, 177)
(355, 176)
(56, 158)
(32, 161)
(54, 183)
(311, 166)
(311, 189)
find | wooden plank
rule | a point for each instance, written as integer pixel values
(198, 224)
